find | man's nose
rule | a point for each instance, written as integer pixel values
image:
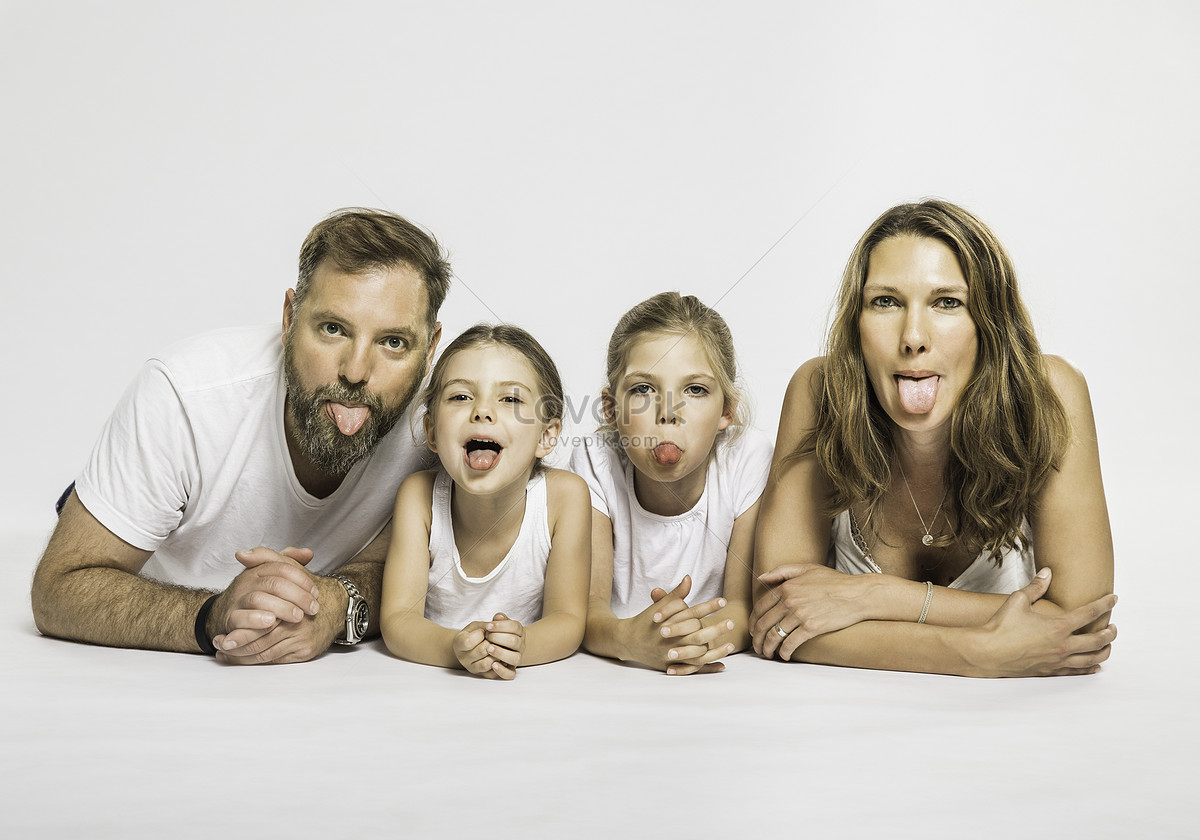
(356, 364)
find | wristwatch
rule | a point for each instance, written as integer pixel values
(358, 614)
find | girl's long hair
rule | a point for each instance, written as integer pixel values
(1009, 430)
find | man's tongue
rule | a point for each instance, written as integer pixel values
(349, 418)
(667, 454)
(482, 459)
(918, 395)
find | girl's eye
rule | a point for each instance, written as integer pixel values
(458, 398)
(641, 388)
(696, 391)
(395, 342)
(511, 398)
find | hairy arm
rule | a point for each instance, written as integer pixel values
(87, 588)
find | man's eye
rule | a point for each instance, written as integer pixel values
(395, 343)
(331, 329)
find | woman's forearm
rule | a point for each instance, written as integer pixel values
(898, 646)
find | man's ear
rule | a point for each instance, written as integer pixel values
(608, 407)
(549, 438)
(433, 343)
(727, 415)
(427, 421)
(289, 311)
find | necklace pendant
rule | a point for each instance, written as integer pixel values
(927, 539)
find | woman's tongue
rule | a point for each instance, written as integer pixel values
(918, 395)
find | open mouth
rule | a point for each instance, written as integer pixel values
(482, 454)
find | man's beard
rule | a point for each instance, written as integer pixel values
(331, 451)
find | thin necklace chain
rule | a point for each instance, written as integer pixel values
(928, 538)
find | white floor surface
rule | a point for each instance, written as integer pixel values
(117, 743)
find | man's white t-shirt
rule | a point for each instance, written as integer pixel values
(193, 465)
(657, 551)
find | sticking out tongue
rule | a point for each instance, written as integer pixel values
(667, 454)
(481, 456)
(918, 395)
(349, 418)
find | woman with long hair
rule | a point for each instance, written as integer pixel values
(935, 502)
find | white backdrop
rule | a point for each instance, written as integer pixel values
(163, 162)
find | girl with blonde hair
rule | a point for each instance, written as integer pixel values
(675, 480)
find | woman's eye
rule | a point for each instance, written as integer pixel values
(883, 302)
(949, 303)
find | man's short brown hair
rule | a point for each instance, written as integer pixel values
(359, 239)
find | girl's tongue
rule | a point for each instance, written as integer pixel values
(918, 395)
(482, 459)
(667, 454)
(482, 455)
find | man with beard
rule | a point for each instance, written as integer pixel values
(234, 439)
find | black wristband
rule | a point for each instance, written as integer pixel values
(202, 639)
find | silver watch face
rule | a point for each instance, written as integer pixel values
(361, 619)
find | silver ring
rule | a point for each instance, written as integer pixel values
(782, 633)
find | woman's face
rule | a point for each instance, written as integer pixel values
(918, 340)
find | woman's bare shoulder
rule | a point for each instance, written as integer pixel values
(1069, 383)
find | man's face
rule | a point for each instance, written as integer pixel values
(355, 351)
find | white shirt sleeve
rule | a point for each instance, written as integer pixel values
(751, 465)
(592, 461)
(144, 467)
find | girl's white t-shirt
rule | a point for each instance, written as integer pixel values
(657, 551)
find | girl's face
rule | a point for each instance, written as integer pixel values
(918, 339)
(484, 424)
(667, 406)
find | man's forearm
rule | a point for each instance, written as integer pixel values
(106, 606)
(86, 588)
(367, 577)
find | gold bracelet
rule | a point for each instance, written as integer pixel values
(928, 598)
